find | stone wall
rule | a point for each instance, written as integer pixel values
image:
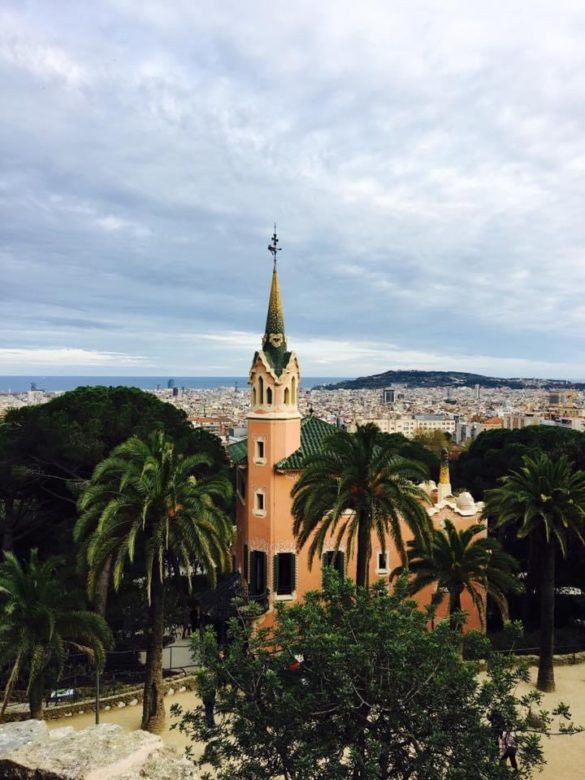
(127, 698)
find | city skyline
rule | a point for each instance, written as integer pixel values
(424, 163)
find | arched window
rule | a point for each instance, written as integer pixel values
(286, 395)
(253, 396)
(293, 387)
(269, 396)
(260, 390)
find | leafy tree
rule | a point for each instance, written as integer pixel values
(352, 685)
(459, 561)
(435, 441)
(39, 623)
(146, 497)
(354, 487)
(49, 451)
(495, 453)
(544, 500)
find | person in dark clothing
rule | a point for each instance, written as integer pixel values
(508, 748)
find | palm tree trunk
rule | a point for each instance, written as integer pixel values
(153, 708)
(546, 675)
(102, 588)
(535, 543)
(454, 607)
(10, 684)
(35, 697)
(363, 551)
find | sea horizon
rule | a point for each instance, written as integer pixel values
(20, 383)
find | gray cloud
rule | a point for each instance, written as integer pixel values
(424, 161)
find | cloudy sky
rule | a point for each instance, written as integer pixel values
(424, 161)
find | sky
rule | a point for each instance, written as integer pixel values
(424, 162)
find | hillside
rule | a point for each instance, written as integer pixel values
(445, 379)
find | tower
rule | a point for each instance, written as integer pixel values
(444, 486)
(274, 433)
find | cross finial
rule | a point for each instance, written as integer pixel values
(273, 247)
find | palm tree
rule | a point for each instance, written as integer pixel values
(39, 624)
(356, 486)
(145, 497)
(545, 499)
(459, 561)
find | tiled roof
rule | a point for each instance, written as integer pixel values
(313, 432)
(238, 452)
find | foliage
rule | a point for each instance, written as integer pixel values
(39, 622)
(146, 497)
(354, 487)
(495, 453)
(545, 501)
(461, 560)
(49, 451)
(435, 441)
(376, 695)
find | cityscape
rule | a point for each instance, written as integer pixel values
(292, 390)
(462, 413)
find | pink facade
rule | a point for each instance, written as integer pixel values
(268, 466)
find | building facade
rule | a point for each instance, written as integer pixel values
(269, 462)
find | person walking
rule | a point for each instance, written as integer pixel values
(508, 748)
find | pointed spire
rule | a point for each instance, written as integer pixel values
(444, 486)
(274, 340)
(444, 477)
(275, 316)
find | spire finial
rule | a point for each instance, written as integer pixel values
(273, 247)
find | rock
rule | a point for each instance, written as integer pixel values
(104, 752)
(107, 707)
(171, 691)
(121, 704)
(14, 735)
(182, 689)
(133, 702)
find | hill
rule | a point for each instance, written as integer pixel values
(446, 379)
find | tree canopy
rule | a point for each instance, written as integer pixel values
(351, 684)
(48, 452)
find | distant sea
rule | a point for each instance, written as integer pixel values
(19, 384)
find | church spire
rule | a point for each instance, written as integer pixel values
(274, 340)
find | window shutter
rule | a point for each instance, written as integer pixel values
(341, 563)
(246, 567)
(275, 582)
(263, 560)
(293, 573)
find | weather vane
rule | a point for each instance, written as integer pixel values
(273, 247)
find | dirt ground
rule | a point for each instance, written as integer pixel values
(565, 755)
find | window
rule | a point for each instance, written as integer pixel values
(260, 390)
(259, 502)
(382, 561)
(293, 388)
(246, 562)
(335, 560)
(259, 451)
(284, 574)
(286, 395)
(257, 573)
(253, 396)
(269, 396)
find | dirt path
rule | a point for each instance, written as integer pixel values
(565, 755)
